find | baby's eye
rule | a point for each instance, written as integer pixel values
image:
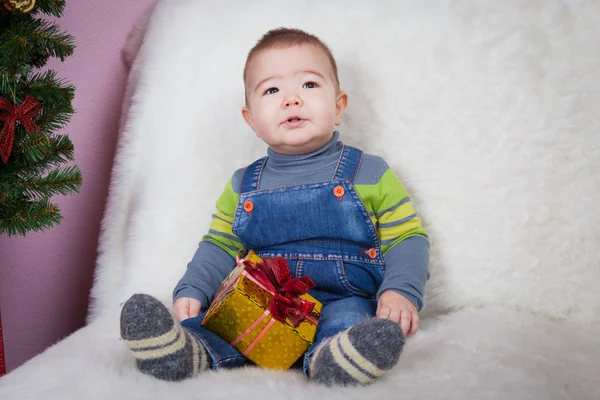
(309, 85)
(271, 90)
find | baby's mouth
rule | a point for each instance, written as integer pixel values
(293, 122)
(293, 118)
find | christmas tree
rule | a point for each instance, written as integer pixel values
(34, 105)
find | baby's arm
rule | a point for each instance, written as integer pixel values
(209, 266)
(405, 247)
(212, 262)
(400, 296)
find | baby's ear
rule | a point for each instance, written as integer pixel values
(247, 114)
(341, 102)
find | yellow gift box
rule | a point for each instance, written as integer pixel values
(240, 315)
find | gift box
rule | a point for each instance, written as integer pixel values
(264, 313)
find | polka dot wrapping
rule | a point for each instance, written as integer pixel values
(244, 303)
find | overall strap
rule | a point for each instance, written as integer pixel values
(251, 178)
(348, 164)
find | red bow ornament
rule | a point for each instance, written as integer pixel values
(25, 113)
(274, 274)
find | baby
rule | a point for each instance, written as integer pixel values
(334, 213)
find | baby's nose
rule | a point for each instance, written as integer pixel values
(292, 101)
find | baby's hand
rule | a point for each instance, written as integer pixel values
(186, 307)
(394, 306)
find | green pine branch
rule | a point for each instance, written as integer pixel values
(55, 118)
(47, 87)
(30, 151)
(25, 39)
(28, 216)
(8, 81)
(66, 180)
(54, 93)
(50, 7)
(37, 153)
(56, 97)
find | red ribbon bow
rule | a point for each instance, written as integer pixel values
(274, 274)
(25, 113)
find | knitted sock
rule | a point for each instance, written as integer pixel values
(161, 346)
(358, 355)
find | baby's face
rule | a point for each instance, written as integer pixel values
(293, 101)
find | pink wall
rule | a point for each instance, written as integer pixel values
(45, 278)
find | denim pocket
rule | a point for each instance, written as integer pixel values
(360, 279)
(325, 274)
(344, 278)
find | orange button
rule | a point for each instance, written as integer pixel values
(372, 253)
(248, 206)
(339, 191)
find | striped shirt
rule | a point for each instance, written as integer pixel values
(404, 242)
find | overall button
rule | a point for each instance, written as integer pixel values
(248, 206)
(372, 253)
(339, 191)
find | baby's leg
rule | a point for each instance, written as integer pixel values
(352, 347)
(162, 347)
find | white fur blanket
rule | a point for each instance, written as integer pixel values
(489, 114)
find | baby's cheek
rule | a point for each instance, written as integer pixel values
(264, 128)
(261, 130)
(261, 122)
(327, 110)
(327, 115)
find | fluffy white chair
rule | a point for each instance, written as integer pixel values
(488, 112)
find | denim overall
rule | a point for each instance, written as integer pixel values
(324, 231)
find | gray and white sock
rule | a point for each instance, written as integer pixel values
(161, 346)
(358, 355)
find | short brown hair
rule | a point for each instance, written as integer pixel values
(283, 38)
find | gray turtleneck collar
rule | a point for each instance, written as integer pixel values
(296, 169)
